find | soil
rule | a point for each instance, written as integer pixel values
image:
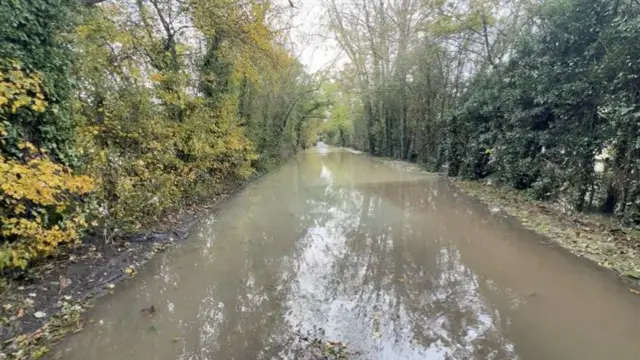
(39, 307)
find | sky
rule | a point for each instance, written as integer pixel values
(311, 44)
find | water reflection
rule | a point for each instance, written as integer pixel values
(375, 272)
(396, 264)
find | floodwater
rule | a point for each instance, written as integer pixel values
(396, 264)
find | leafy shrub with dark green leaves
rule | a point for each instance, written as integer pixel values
(570, 94)
(32, 33)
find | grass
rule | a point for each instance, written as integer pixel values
(602, 239)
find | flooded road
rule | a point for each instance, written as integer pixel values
(396, 264)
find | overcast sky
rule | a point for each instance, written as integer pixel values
(311, 45)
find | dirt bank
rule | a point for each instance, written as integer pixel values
(43, 305)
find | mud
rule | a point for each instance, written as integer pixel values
(41, 305)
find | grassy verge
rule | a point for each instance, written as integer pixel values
(36, 344)
(602, 239)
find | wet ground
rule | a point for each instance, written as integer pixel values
(396, 264)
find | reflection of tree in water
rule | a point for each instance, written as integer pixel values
(242, 310)
(396, 279)
(366, 261)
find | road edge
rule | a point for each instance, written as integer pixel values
(64, 314)
(603, 242)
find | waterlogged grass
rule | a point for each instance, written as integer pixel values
(601, 239)
(403, 165)
(37, 344)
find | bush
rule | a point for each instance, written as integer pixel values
(40, 200)
(151, 163)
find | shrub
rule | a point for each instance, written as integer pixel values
(41, 203)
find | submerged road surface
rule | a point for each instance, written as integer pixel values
(396, 264)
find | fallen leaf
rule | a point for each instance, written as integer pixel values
(64, 282)
(39, 314)
(130, 271)
(20, 313)
(150, 310)
(634, 291)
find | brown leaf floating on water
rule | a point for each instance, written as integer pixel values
(150, 310)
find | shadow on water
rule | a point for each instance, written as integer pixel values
(395, 264)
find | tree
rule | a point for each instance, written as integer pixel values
(531, 92)
(171, 101)
(32, 37)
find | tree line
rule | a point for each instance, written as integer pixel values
(114, 112)
(541, 95)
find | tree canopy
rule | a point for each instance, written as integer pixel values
(114, 112)
(540, 95)
(118, 111)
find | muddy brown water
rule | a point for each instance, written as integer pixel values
(396, 264)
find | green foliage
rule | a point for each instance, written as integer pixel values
(282, 113)
(339, 129)
(33, 35)
(535, 94)
(568, 94)
(40, 200)
(153, 119)
(154, 163)
(152, 155)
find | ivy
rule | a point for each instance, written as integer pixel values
(33, 34)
